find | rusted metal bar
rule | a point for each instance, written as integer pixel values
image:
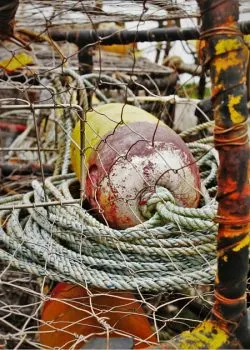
(227, 56)
(39, 205)
(109, 37)
(28, 149)
(32, 106)
(24, 169)
(7, 16)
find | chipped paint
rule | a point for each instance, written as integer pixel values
(226, 45)
(225, 258)
(206, 336)
(119, 192)
(242, 244)
(223, 64)
(236, 116)
(102, 121)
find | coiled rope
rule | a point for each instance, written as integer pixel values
(174, 249)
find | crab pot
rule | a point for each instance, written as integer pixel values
(130, 152)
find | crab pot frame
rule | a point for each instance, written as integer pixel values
(123, 37)
(86, 39)
(226, 56)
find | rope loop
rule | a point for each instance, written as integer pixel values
(236, 135)
(220, 30)
(151, 197)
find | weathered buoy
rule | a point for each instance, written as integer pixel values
(129, 151)
(74, 315)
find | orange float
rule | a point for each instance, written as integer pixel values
(74, 315)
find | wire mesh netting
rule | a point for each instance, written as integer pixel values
(108, 179)
(79, 12)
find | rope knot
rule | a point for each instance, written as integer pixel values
(151, 197)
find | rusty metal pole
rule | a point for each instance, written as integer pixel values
(227, 57)
(7, 18)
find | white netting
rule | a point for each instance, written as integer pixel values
(149, 281)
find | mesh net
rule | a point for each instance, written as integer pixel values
(91, 11)
(79, 12)
(99, 231)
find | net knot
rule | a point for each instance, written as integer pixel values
(151, 197)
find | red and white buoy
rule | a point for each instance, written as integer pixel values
(127, 152)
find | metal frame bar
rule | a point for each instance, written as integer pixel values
(109, 37)
(42, 204)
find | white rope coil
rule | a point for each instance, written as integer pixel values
(174, 249)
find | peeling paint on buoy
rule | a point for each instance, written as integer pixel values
(127, 151)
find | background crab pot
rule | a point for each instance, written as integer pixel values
(75, 313)
(127, 152)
